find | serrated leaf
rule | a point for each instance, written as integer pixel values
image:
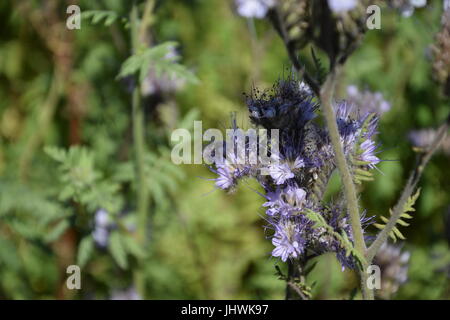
(85, 250)
(96, 16)
(408, 207)
(161, 59)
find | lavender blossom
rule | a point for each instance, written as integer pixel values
(288, 240)
(283, 170)
(339, 6)
(368, 154)
(225, 180)
(286, 202)
(254, 8)
(281, 173)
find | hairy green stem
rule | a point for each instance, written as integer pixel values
(295, 273)
(139, 157)
(408, 191)
(326, 98)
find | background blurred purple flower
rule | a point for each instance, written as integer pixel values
(101, 228)
(367, 101)
(422, 139)
(254, 8)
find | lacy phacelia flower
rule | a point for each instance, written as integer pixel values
(339, 6)
(286, 202)
(254, 8)
(283, 169)
(305, 161)
(288, 240)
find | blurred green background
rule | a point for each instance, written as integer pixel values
(58, 87)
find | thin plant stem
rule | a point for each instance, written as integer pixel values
(326, 98)
(142, 193)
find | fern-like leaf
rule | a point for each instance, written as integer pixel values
(408, 207)
(97, 16)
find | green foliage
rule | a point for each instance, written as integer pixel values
(97, 16)
(161, 59)
(81, 182)
(85, 251)
(117, 249)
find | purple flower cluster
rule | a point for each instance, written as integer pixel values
(296, 181)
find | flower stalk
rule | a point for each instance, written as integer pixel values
(326, 96)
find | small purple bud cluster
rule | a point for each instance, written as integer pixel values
(305, 162)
